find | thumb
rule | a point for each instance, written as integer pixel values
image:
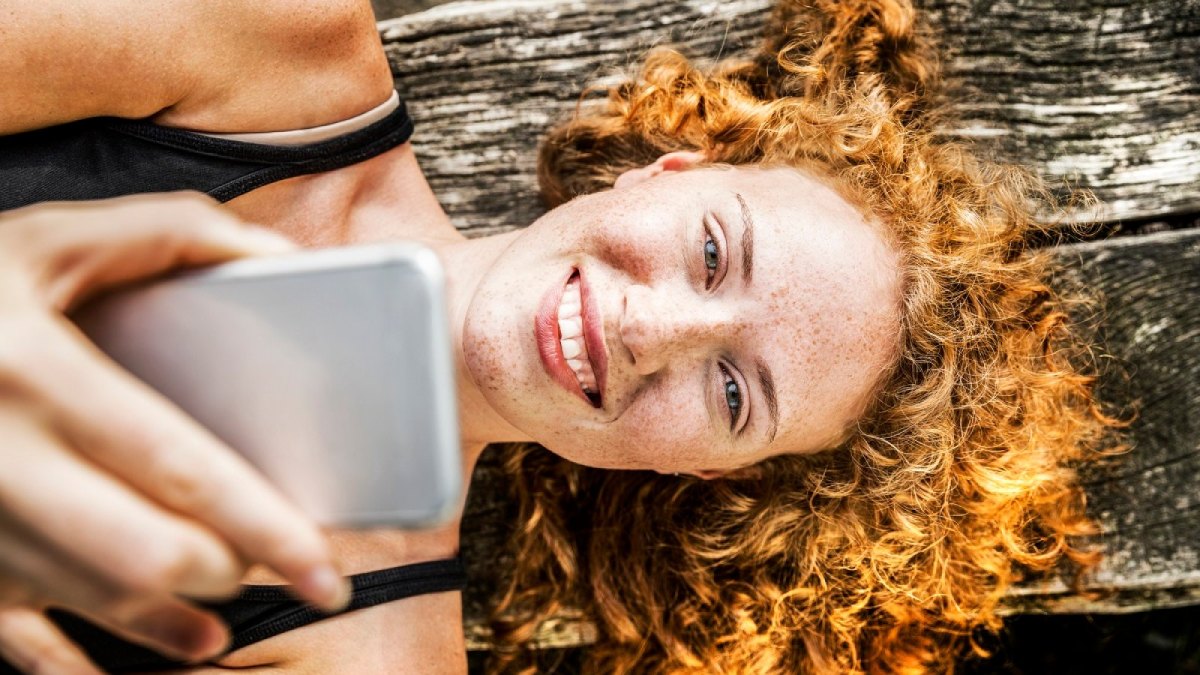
(75, 250)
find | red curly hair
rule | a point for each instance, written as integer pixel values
(892, 551)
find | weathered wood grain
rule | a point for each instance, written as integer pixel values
(390, 9)
(1146, 501)
(1104, 94)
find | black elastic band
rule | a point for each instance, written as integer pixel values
(281, 162)
(261, 612)
(370, 589)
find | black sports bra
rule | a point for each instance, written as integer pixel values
(106, 157)
(261, 612)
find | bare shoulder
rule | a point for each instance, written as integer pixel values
(295, 64)
(319, 29)
(212, 65)
(68, 59)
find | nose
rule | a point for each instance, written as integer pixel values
(658, 326)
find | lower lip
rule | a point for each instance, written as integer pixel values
(545, 332)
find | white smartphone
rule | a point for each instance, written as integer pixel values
(329, 370)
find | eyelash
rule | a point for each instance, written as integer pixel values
(735, 409)
(734, 400)
(715, 251)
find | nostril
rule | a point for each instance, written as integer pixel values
(636, 326)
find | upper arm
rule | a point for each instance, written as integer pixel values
(213, 65)
(68, 59)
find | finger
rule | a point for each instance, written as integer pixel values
(33, 644)
(158, 621)
(167, 625)
(135, 434)
(85, 247)
(98, 523)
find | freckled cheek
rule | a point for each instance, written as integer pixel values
(664, 436)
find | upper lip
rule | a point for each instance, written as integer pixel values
(593, 335)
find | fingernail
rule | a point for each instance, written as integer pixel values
(327, 589)
(213, 643)
(192, 641)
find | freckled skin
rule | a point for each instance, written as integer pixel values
(821, 312)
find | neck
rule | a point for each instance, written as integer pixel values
(387, 198)
(394, 201)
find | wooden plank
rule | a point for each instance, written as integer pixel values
(1102, 93)
(389, 9)
(1146, 501)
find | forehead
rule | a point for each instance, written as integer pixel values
(823, 304)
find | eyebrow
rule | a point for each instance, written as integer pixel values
(747, 241)
(767, 384)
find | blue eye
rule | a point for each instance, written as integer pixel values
(733, 397)
(712, 256)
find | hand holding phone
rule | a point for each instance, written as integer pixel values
(115, 504)
(329, 370)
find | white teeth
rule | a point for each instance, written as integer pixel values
(569, 306)
(587, 380)
(571, 348)
(569, 328)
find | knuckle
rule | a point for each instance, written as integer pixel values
(184, 488)
(157, 447)
(161, 568)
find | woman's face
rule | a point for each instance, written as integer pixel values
(723, 316)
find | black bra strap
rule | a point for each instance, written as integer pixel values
(261, 612)
(264, 163)
(281, 612)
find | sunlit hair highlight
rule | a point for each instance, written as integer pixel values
(891, 552)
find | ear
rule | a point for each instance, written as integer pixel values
(681, 160)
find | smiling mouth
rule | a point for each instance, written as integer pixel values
(572, 343)
(564, 327)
